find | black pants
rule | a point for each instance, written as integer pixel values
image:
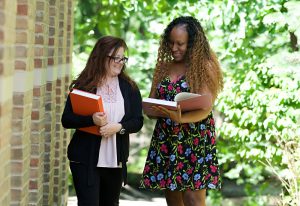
(104, 192)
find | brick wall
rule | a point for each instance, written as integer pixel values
(36, 39)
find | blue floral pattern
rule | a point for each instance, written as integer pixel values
(181, 156)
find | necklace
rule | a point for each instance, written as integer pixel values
(109, 90)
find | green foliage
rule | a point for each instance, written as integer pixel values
(260, 102)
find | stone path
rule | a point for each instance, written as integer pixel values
(155, 202)
(132, 197)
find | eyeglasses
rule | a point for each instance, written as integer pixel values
(123, 60)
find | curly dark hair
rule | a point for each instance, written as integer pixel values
(204, 68)
(95, 72)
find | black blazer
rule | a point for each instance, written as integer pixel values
(84, 147)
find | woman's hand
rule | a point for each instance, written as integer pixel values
(100, 119)
(110, 129)
(173, 115)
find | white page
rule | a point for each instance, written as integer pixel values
(85, 94)
(185, 95)
(160, 101)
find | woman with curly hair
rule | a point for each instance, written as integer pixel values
(182, 157)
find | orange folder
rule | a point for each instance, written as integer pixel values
(86, 104)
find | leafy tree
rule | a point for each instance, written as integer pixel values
(257, 44)
(261, 101)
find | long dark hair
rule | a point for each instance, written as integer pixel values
(95, 70)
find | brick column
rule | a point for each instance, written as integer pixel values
(66, 80)
(38, 107)
(22, 102)
(50, 113)
(57, 188)
(7, 53)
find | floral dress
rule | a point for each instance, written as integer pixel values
(181, 156)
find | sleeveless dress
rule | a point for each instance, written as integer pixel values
(181, 156)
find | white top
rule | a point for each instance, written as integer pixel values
(113, 103)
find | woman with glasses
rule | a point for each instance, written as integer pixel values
(98, 163)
